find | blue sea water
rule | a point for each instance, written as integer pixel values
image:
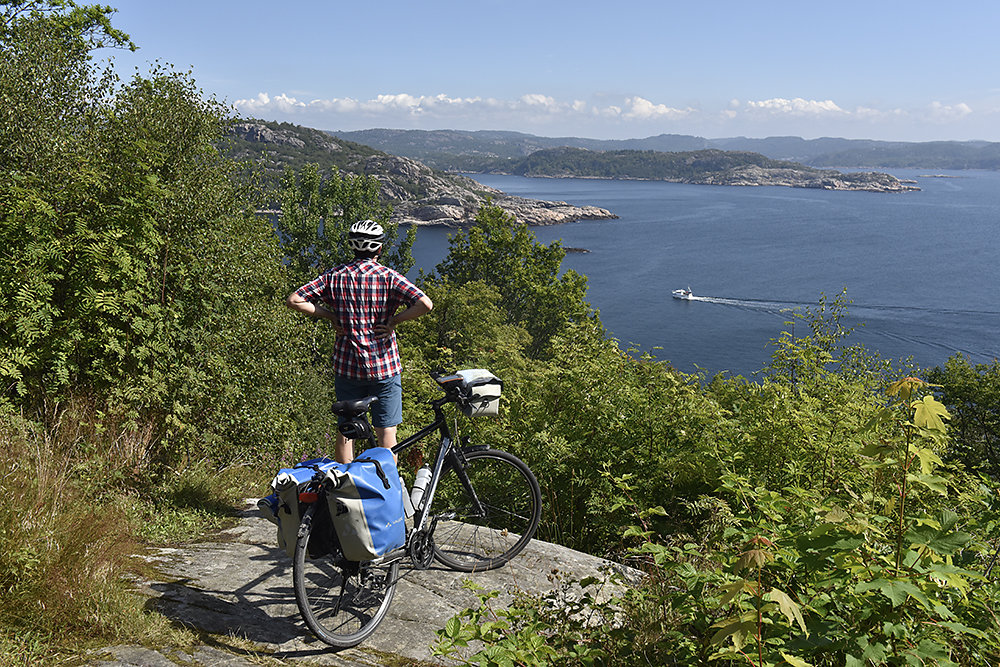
(920, 267)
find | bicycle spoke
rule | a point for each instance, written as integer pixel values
(487, 514)
(341, 602)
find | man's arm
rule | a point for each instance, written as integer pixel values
(421, 306)
(300, 304)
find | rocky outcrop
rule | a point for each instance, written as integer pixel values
(236, 592)
(418, 194)
(258, 133)
(422, 196)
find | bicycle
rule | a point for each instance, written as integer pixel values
(480, 508)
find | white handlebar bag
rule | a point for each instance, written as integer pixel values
(366, 505)
(482, 392)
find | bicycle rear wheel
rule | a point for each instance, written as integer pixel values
(487, 506)
(341, 601)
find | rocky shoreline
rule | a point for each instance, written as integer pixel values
(453, 200)
(756, 176)
(459, 212)
(824, 180)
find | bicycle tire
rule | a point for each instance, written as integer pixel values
(469, 540)
(342, 602)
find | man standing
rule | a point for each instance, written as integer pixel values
(362, 298)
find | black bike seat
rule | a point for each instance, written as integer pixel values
(354, 408)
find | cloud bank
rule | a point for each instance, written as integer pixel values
(627, 116)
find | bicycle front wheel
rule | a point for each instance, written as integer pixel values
(486, 509)
(341, 601)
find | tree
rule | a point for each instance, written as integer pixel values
(133, 266)
(316, 213)
(502, 253)
(972, 395)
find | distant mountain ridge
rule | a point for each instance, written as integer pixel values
(463, 150)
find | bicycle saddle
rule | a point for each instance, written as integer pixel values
(353, 408)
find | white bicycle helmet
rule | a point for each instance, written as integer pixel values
(365, 236)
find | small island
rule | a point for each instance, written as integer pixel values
(703, 167)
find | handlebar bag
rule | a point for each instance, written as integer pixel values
(282, 506)
(366, 505)
(482, 392)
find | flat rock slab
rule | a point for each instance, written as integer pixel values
(240, 585)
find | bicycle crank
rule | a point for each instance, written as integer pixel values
(421, 550)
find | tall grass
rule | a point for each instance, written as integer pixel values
(78, 500)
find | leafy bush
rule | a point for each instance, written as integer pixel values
(534, 293)
(890, 565)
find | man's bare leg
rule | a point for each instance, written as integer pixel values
(343, 449)
(387, 438)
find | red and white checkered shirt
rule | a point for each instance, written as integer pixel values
(361, 294)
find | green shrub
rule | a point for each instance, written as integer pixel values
(892, 569)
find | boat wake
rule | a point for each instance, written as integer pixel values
(895, 323)
(854, 310)
(775, 307)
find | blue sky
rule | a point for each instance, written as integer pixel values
(881, 69)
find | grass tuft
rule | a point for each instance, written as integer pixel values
(74, 521)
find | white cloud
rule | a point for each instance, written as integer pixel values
(622, 116)
(641, 108)
(796, 106)
(943, 112)
(536, 100)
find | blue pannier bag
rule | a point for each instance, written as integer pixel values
(365, 500)
(366, 505)
(282, 506)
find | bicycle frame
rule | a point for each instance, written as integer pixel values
(440, 424)
(447, 449)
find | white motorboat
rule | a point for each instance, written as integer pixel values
(683, 294)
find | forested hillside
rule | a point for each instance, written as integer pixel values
(705, 167)
(414, 193)
(459, 150)
(835, 509)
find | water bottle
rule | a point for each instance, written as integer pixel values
(419, 485)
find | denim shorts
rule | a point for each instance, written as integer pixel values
(388, 410)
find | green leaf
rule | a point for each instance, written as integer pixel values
(959, 628)
(452, 627)
(929, 652)
(897, 591)
(882, 416)
(936, 484)
(928, 459)
(788, 607)
(732, 589)
(736, 629)
(943, 540)
(795, 662)
(929, 413)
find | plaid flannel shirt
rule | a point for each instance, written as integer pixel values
(361, 294)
